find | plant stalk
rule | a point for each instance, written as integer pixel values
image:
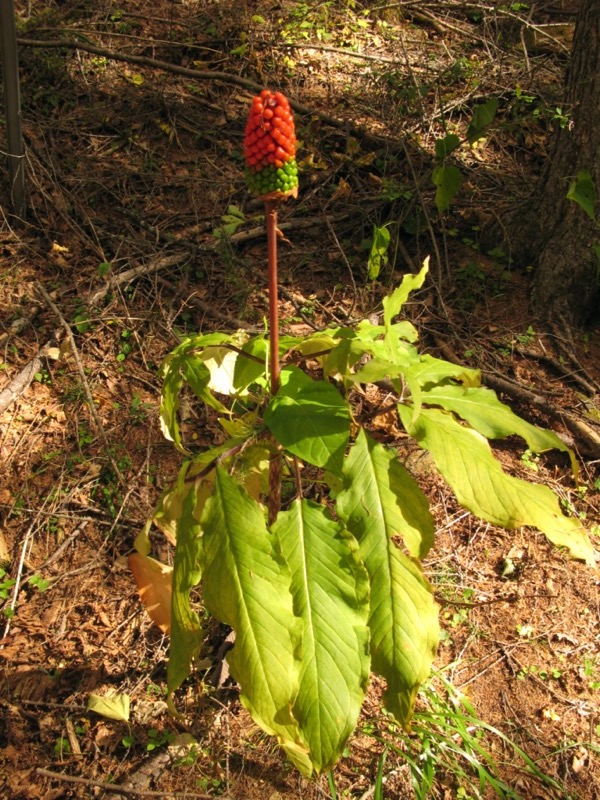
(274, 501)
(271, 219)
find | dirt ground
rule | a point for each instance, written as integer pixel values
(139, 228)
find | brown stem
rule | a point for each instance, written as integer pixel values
(274, 503)
(271, 218)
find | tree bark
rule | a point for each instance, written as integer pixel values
(562, 236)
(12, 102)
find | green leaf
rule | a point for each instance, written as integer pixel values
(583, 192)
(378, 252)
(247, 586)
(183, 364)
(310, 419)
(169, 406)
(247, 369)
(448, 180)
(240, 50)
(82, 322)
(331, 595)
(377, 369)
(430, 370)
(392, 304)
(381, 500)
(104, 268)
(317, 343)
(483, 116)
(482, 409)
(393, 494)
(220, 362)
(186, 630)
(167, 512)
(203, 373)
(465, 459)
(114, 706)
(447, 145)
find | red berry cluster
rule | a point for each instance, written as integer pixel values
(270, 139)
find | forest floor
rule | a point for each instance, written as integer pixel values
(139, 228)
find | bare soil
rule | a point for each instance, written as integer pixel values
(133, 166)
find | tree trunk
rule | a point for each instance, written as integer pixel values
(566, 288)
(12, 103)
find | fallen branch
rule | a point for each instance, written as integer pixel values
(20, 383)
(120, 790)
(586, 438)
(151, 268)
(209, 75)
(128, 275)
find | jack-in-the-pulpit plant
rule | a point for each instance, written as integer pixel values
(330, 588)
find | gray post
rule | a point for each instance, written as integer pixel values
(12, 106)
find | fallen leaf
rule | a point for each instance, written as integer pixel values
(153, 581)
(147, 710)
(550, 713)
(114, 706)
(4, 551)
(581, 760)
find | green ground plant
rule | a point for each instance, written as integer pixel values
(448, 740)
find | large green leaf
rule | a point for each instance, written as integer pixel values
(186, 630)
(192, 344)
(447, 179)
(443, 147)
(380, 500)
(203, 373)
(393, 494)
(331, 594)
(185, 368)
(183, 364)
(466, 461)
(482, 409)
(169, 407)
(583, 192)
(310, 419)
(251, 366)
(483, 116)
(247, 586)
(430, 370)
(378, 253)
(392, 304)
(367, 332)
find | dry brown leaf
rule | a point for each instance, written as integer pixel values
(581, 760)
(4, 551)
(153, 581)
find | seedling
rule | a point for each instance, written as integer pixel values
(158, 739)
(5, 584)
(41, 584)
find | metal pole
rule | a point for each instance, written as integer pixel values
(12, 106)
